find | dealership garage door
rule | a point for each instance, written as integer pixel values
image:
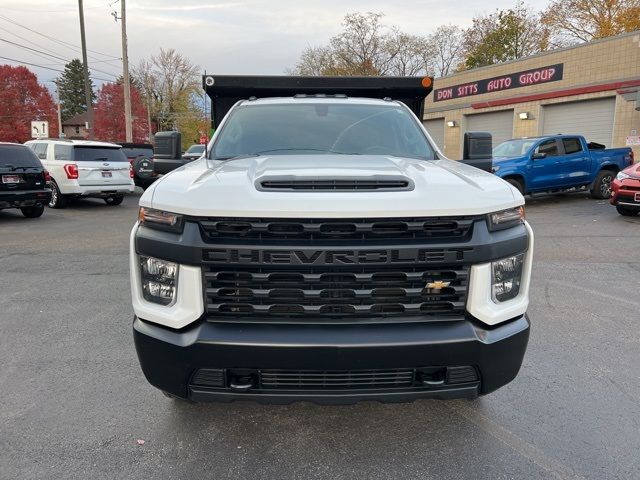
(498, 124)
(436, 130)
(591, 118)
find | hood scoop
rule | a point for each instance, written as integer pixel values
(393, 183)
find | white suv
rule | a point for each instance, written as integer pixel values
(82, 168)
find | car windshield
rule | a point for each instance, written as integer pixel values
(18, 156)
(321, 128)
(98, 154)
(196, 149)
(514, 148)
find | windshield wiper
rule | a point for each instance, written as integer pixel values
(237, 157)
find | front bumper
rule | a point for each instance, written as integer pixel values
(24, 198)
(626, 193)
(169, 359)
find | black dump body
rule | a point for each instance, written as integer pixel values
(226, 90)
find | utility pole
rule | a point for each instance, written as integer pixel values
(60, 131)
(87, 82)
(128, 127)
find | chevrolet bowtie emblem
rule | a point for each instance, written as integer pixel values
(438, 285)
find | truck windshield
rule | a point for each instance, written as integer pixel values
(321, 128)
(514, 148)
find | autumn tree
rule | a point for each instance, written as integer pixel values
(23, 99)
(71, 90)
(109, 124)
(586, 20)
(443, 51)
(365, 47)
(168, 81)
(504, 35)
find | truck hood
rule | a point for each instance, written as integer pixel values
(233, 188)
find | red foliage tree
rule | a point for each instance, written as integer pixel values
(109, 114)
(23, 99)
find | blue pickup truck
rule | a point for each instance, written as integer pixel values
(558, 163)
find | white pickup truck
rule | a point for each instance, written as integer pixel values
(325, 250)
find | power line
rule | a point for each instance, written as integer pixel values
(46, 49)
(22, 62)
(45, 55)
(53, 39)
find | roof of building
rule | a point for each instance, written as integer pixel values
(79, 119)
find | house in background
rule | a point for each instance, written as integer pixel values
(75, 128)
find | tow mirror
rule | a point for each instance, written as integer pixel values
(477, 150)
(167, 152)
(538, 155)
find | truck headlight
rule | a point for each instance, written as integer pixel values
(161, 220)
(159, 280)
(506, 218)
(506, 277)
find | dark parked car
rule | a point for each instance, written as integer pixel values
(140, 157)
(24, 183)
(194, 152)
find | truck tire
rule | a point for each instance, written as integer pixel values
(114, 200)
(516, 183)
(601, 187)
(32, 212)
(627, 212)
(57, 200)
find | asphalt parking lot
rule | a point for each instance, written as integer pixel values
(74, 403)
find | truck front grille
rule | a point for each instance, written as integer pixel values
(322, 294)
(327, 231)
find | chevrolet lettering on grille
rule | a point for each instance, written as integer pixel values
(332, 257)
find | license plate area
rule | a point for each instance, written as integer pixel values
(10, 179)
(106, 174)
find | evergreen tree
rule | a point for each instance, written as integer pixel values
(71, 90)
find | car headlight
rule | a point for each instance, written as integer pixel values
(160, 220)
(506, 277)
(159, 280)
(622, 176)
(506, 218)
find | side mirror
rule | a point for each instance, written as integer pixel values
(167, 153)
(538, 156)
(477, 150)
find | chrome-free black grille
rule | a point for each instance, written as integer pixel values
(319, 294)
(336, 229)
(336, 379)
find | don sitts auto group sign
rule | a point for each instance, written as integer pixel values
(551, 73)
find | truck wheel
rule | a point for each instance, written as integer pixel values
(516, 183)
(114, 200)
(32, 212)
(57, 200)
(627, 212)
(601, 187)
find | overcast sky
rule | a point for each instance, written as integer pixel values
(220, 36)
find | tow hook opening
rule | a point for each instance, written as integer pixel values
(242, 380)
(432, 376)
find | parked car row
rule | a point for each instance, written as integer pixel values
(559, 163)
